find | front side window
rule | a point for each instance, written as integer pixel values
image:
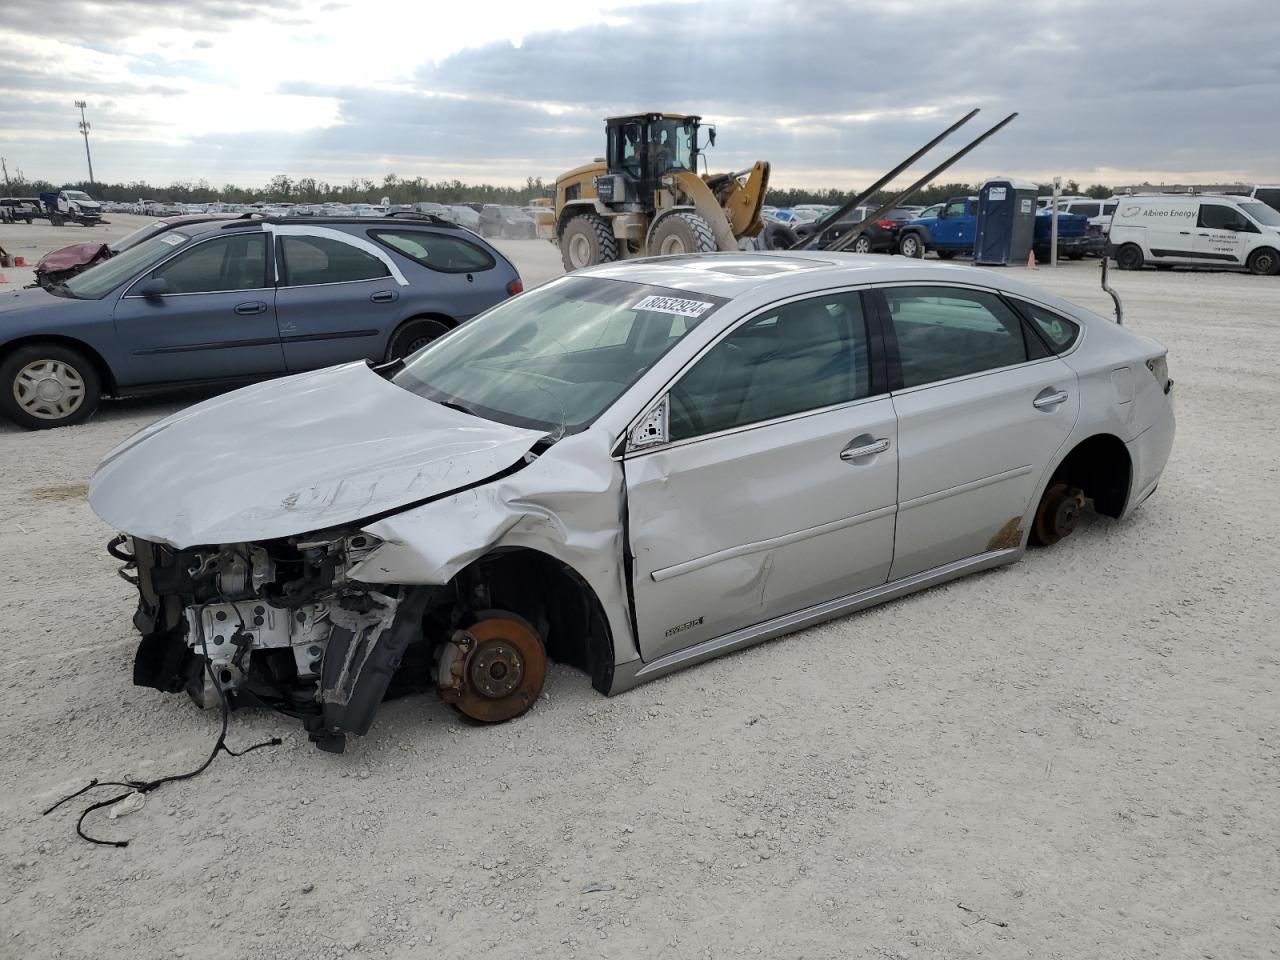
(1083, 209)
(1108, 209)
(1058, 331)
(436, 251)
(673, 145)
(236, 262)
(310, 260)
(955, 209)
(1217, 216)
(944, 333)
(799, 357)
(557, 357)
(100, 279)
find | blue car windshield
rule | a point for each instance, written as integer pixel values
(96, 282)
(557, 357)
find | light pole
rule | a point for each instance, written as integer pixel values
(84, 129)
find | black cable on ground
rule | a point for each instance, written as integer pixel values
(148, 786)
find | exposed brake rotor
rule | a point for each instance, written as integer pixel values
(1058, 513)
(493, 670)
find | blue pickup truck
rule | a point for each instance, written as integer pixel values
(951, 233)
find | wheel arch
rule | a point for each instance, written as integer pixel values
(100, 365)
(1100, 465)
(553, 596)
(444, 318)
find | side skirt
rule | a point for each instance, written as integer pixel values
(628, 675)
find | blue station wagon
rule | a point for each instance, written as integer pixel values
(239, 301)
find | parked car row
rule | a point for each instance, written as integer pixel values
(214, 299)
(488, 219)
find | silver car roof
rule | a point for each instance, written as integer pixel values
(784, 272)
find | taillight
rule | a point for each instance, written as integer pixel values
(1159, 367)
(514, 287)
(884, 224)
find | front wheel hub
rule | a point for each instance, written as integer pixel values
(493, 670)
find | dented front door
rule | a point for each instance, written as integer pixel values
(775, 487)
(731, 530)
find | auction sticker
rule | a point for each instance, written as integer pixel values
(676, 305)
(172, 239)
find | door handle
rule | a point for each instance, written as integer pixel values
(1049, 398)
(249, 309)
(384, 296)
(1185, 233)
(863, 449)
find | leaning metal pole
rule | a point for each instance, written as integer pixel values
(852, 233)
(821, 226)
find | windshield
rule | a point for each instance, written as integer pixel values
(555, 358)
(77, 195)
(96, 282)
(1262, 213)
(511, 212)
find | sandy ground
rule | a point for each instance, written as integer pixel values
(1076, 756)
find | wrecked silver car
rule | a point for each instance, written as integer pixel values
(631, 469)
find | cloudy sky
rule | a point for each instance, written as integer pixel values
(833, 93)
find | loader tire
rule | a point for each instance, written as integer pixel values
(586, 240)
(776, 236)
(681, 233)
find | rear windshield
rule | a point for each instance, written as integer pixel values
(556, 358)
(96, 282)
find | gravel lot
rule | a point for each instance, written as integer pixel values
(1076, 756)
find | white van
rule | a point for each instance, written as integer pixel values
(1268, 193)
(1205, 230)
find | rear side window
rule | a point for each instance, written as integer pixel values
(1084, 209)
(1059, 332)
(436, 251)
(311, 260)
(1108, 209)
(945, 332)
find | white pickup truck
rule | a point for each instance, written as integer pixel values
(74, 206)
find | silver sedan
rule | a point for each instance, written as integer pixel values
(632, 469)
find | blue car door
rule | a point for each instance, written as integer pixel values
(338, 297)
(210, 316)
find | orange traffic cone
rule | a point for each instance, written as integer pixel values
(1031, 261)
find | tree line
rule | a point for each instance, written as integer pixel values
(286, 189)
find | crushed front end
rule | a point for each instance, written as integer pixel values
(277, 624)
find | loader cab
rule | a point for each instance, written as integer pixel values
(643, 147)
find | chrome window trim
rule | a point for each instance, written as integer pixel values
(363, 244)
(329, 283)
(128, 295)
(746, 318)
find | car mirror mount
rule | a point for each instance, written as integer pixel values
(651, 429)
(154, 289)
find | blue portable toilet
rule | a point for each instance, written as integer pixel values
(1006, 223)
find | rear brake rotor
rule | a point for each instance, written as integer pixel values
(493, 670)
(1058, 513)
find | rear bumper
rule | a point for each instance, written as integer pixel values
(1148, 454)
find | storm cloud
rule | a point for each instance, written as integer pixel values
(831, 93)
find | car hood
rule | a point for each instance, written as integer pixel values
(73, 255)
(30, 299)
(295, 455)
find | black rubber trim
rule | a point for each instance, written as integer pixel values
(193, 347)
(1224, 257)
(339, 335)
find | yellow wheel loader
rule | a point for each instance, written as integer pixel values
(646, 198)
